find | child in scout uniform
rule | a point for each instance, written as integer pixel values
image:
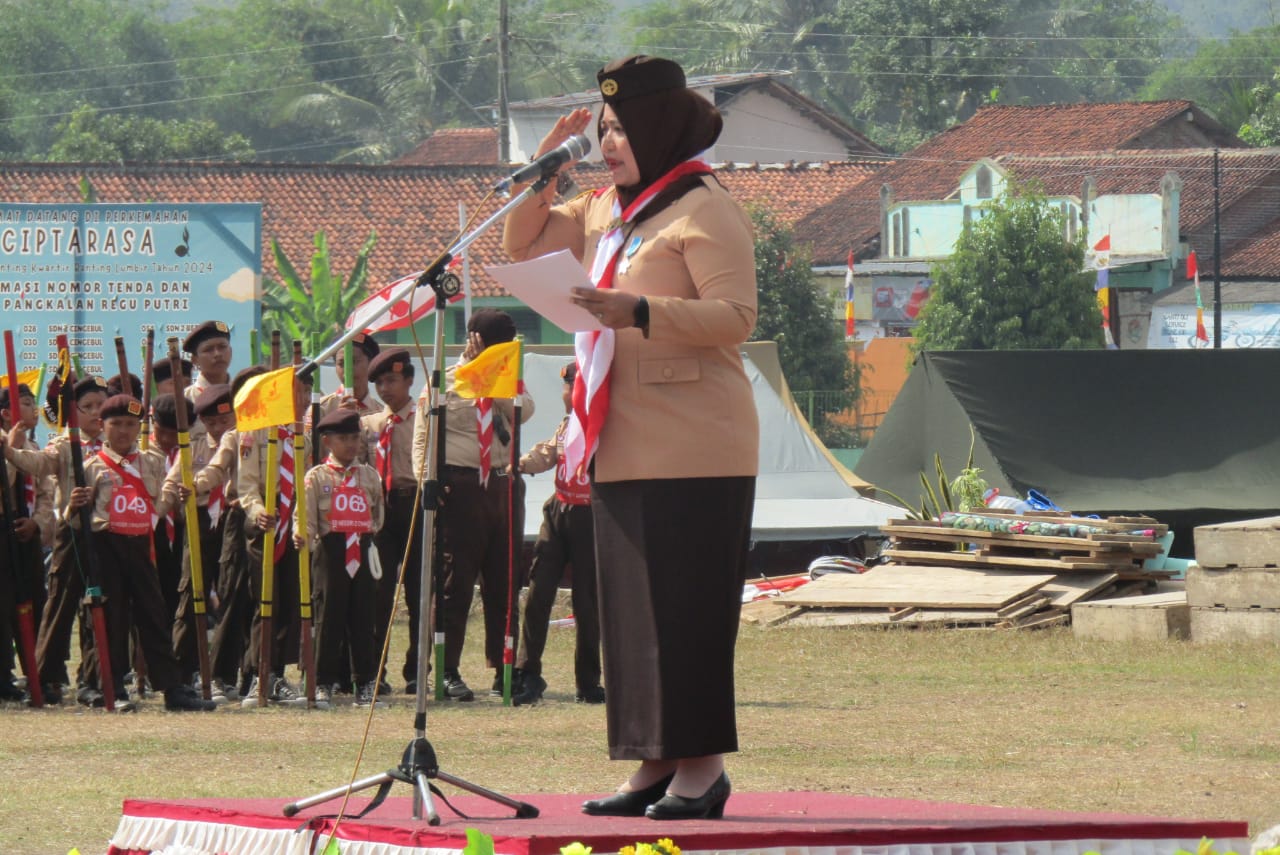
(214, 410)
(344, 510)
(162, 375)
(364, 349)
(209, 345)
(124, 490)
(566, 538)
(171, 530)
(389, 440)
(66, 577)
(31, 527)
(251, 488)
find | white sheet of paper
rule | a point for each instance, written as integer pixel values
(544, 284)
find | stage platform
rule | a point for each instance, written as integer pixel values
(792, 823)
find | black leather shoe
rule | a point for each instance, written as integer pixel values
(411, 687)
(185, 699)
(633, 803)
(87, 696)
(594, 695)
(709, 805)
(531, 689)
(455, 689)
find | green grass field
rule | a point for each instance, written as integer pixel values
(1033, 719)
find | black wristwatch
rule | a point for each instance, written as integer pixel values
(641, 313)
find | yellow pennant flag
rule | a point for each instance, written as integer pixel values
(492, 374)
(29, 378)
(265, 401)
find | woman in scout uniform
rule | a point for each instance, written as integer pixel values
(664, 415)
(344, 510)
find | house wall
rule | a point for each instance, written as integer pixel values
(759, 128)
(1134, 221)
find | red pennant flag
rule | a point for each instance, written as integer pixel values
(1104, 245)
(1193, 269)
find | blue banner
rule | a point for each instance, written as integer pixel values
(99, 271)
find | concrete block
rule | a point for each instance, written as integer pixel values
(1248, 543)
(1210, 625)
(1154, 617)
(1234, 588)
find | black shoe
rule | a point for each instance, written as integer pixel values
(384, 689)
(709, 805)
(87, 696)
(455, 689)
(9, 692)
(411, 687)
(185, 699)
(633, 803)
(52, 694)
(594, 695)
(517, 682)
(531, 689)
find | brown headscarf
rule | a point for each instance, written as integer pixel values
(666, 123)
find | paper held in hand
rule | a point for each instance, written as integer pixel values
(543, 284)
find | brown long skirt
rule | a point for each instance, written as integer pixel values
(671, 557)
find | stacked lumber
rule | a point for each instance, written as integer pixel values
(1118, 545)
(1234, 592)
(996, 570)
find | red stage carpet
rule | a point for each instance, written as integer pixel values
(772, 823)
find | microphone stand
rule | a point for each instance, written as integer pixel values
(418, 764)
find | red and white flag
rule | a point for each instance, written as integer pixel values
(1193, 272)
(380, 311)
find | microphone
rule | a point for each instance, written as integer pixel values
(574, 148)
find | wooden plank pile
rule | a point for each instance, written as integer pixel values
(1234, 593)
(1012, 571)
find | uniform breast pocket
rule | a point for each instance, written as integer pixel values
(672, 370)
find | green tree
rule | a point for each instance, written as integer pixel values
(314, 311)
(795, 312)
(88, 136)
(1013, 282)
(1223, 77)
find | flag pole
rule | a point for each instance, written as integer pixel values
(148, 356)
(514, 537)
(307, 653)
(194, 554)
(265, 631)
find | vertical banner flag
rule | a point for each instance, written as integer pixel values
(1193, 272)
(848, 300)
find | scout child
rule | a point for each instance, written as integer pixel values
(214, 409)
(66, 577)
(162, 375)
(124, 490)
(251, 488)
(210, 347)
(566, 538)
(344, 508)
(389, 442)
(364, 349)
(31, 528)
(171, 531)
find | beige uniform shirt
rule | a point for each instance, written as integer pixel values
(54, 460)
(45, 486)
(150, 465)
(321, 482)
(202, 454)
(402, 471)
(252, 475)
(462, 443)
(543, 456)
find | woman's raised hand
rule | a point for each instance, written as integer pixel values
(566, 126)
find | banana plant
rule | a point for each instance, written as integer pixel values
(313, 311)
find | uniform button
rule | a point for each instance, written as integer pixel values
(667, 373)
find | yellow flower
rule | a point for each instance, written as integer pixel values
(667, 845)
(627, 850)
(575, 848)
(645, 849)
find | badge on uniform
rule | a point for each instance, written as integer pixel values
(632, 247)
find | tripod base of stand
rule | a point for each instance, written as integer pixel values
(417, 768)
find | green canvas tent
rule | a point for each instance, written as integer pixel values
(1188, 436)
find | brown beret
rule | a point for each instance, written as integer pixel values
(120, 405)
(162, 369)
(206, 330)
(341, 420)
(89, 385)
(365, 342)
(215, 400)
(396, 360)
(638, 75)
(164, 410)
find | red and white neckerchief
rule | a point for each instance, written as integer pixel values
(594, 348)
(29, 494)
(170, 519)
(91, 446)
(349, 514)
(484, 435)
(384, 447)
(217, 497)
(131, 504)
(284, 503)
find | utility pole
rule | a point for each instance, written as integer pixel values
(1217, 257)
(504, 124)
